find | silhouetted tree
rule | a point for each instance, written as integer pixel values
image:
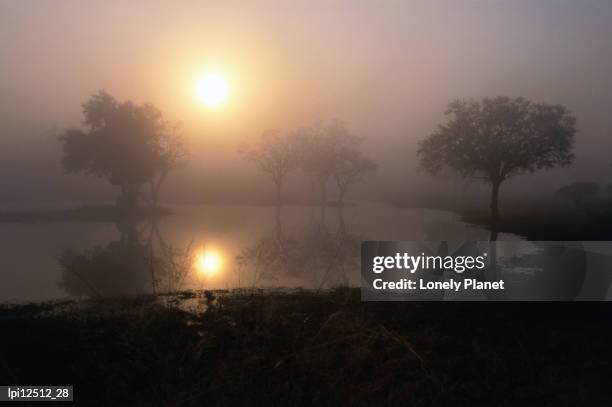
(275, 155)
(498, 139)
(124, 143)
(352, 166)
(577, 191)
(323, 150)
(173, 153)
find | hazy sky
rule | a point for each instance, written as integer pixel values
(385, 68)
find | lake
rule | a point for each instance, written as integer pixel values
(209, 246)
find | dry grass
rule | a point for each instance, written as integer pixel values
(288, 348)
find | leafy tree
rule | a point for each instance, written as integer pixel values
(577, 191)
(499, 138)
(124, 143)
(275, 154)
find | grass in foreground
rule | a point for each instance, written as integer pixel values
(277, 348)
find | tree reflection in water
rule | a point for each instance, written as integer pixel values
(314, 254)
(139, 262)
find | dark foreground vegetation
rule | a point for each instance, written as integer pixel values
(551, 222)
(302, 348)
(537, 219)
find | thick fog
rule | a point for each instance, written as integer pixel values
(385, 69)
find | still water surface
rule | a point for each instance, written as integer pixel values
(211, 246)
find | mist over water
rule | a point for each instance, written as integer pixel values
(272, 202)
(384, 72)
(32, 253)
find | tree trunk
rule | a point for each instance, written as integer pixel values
(154, 194)
(127, 200)
(313, 190)
(279, 191)
(323, 191)
(156, 185)
(323, 188)
(341, 196)
(494, 203)
(341, 224)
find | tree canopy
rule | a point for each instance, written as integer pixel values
(275, 154)
(499, 138)
(323, 151)
(324, 146)
(331, 150)
(124, 143)
(352, 166)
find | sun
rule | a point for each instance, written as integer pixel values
(208, 262)
(212, 90)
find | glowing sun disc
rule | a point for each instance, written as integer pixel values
(208, 262)
(212, 90)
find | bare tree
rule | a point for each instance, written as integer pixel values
(351, 168)
(173, 155)
(275, 154)
(322, 148)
